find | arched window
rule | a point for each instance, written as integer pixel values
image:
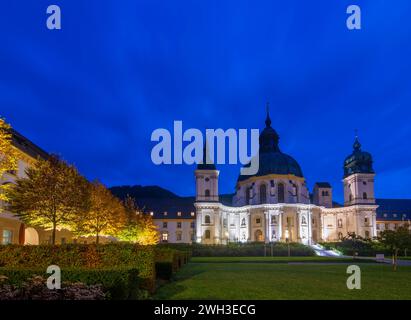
(207, 219)
(243, 222)
(263, 193)
(364, 195)
(340, 235)
(207, 234)
(207, 193)
(259, 236)
(281, 194)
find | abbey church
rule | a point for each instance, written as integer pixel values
(275, 203)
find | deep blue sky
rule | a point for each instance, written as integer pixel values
(95, 90)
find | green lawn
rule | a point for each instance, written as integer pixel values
(314, 259)
(261, 280)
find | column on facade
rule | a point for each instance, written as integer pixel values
(199, 227)
(249, 226)
(267, 226)
(280, 225)
(238, 227)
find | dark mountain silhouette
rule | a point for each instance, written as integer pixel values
(159, 200)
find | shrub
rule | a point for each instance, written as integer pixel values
(251, 250)
(168, 255)
(351, 247)
(119, 283)
(84, 256)
(35, 288)
(164, 270)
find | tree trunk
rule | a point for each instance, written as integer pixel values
(53, 235)
(97, 238)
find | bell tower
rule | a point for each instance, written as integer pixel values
(206, 179)
(358, 177)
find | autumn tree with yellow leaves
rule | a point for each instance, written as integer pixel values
(8, 157)
(139, 227)
(106, 215)
(51, 196)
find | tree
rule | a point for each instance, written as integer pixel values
(8, 156)
(396, 240)
(106, 215)
(51, 196)
(140, 227)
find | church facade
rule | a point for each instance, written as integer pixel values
(275, 203)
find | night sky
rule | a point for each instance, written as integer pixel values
(95, 90)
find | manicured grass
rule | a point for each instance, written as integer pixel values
(268, 281)
(315, 259)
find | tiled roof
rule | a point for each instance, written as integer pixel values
(393, 209)
(26, 146)
(323, 185)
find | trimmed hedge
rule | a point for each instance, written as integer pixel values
(164, 270)
(363, 248)
(252, 250)
(169, 260)
(83, 256)
(118, 283)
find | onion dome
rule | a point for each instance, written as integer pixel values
(271, 159)
(207, 163)
(358, 161)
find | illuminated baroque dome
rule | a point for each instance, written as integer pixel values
(271, 159)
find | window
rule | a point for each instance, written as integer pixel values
(7, 237)
(192, 225)
(243, 222)
(339, 223)
(207, 234)
(193, 236)
(263, 193)
(207, 179)
(281, 194)
(207, 193)
(273, 219)
(366, 220)
(340, 235)
(364, 195)
(164, 237)
(303, 220)
(350, 197)
(247, 195)
(207, 219)
(225, 223)
(367, 234)
(178, 225)
(259, 236)
(178, 236)
(258, 220)
(164, 224)
(386, 226)
(364, 183)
